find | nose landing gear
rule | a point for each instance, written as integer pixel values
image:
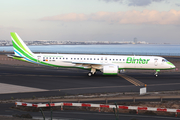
(156, 73)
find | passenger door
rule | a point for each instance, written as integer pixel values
(101, 60)
(156, 61)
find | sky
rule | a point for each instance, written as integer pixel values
(154, 21)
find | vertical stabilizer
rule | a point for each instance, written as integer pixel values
(20, 48)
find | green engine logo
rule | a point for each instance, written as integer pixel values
(137, 61)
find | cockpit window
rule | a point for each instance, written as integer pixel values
(164, 60)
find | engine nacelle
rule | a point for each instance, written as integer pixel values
(110, 70)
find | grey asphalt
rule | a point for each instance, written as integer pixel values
(62, 81)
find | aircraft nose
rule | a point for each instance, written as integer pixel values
(171, 65)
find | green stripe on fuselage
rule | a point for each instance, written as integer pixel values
(109, 73)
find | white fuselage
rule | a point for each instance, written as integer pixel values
(122, 61)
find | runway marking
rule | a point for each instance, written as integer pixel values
(90, 88)
(164, 84)
(9, 74)
(9, 88)
(100, 87)
(131, 80)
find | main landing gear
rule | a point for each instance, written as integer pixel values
(89, 74)
(93, 71)
(156, 73)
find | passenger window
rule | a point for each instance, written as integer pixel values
(87, 58)
(66, 58)
(71, 58)
(110, 59)
(77, 58)
(123, 59)
(90, 58)
(49, 57)
(94, 58)
(81, 58)
(74, 58)
(119, 59)
(116, 59)
(56, 58)
(84, 58)
(97, 58)
(113, 59)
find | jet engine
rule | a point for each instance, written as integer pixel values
(110, 70)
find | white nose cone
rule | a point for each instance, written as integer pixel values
(171, 65)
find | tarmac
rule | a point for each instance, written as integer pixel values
(25, 80)
(20, 80)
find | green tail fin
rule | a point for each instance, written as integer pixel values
(20, 48)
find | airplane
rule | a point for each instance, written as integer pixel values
(107, 64)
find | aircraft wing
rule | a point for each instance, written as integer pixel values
(90, 65)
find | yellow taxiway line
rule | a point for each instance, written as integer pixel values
(132, 80)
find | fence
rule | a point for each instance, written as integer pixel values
(137, 108)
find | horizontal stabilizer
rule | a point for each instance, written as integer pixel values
(12, 55)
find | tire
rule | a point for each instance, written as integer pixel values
(156, 75)
(89, 74)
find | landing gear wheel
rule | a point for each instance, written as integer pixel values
(156, 75)
(89, 74)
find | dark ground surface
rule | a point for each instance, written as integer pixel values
(75, 81)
